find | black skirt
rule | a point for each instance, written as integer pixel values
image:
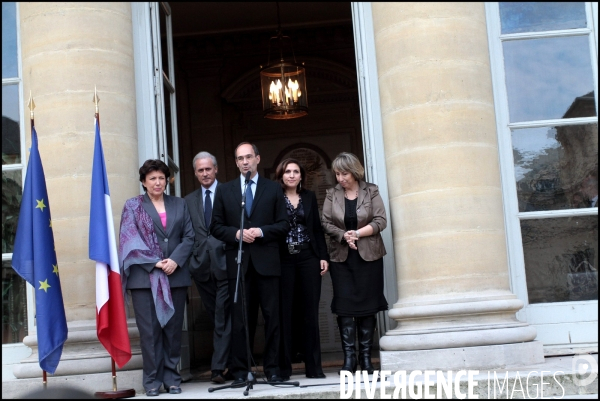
(357, 286)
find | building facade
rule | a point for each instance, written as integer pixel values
(478, 121)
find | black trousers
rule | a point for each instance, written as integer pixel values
(215, 298)
(260, 291)
(161, 346)
(300, 282)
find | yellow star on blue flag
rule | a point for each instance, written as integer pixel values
(40, 204)
(44, 285)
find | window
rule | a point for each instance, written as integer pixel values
(165, 97)
(14, 294)
(544, 68)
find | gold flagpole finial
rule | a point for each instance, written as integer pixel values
(31, 105)
(96, 99)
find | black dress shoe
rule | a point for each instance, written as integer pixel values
(217, 377)
(174, 390)
(317, 376)
(153, 392)
(277, 379)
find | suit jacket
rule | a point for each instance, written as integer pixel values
(176, 242)
(208, 254)
(313, 225)
(268, 213)
(370, 210)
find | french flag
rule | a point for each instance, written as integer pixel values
(111, 322)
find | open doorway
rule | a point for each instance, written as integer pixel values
(218, 50)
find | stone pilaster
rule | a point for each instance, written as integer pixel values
(447, 217)
(67, 49)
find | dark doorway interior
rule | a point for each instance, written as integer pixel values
(218, 50)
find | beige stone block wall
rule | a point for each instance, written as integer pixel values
(441, 149)
(67, 49)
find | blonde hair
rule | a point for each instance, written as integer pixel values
(348, 162)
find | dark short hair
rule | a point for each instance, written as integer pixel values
(348, 163)
(254, 148)
(152, 165)
(281, 169)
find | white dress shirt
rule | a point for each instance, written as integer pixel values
(243, 184)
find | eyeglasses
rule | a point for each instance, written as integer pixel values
(242, 158)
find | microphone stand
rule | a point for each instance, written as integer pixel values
(250, 379)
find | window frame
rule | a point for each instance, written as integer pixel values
(22, 166)
(512, 216)
(153, 85)
(165, 91)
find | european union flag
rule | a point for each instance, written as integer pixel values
(34, 259)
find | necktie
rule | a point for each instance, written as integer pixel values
(207, 208)
(249, 197)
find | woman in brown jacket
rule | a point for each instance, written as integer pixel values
(353, 217)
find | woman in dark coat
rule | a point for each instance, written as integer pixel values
(353, 217)
(155, 242)
(304, 261)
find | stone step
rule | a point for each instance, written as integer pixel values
(559, 376)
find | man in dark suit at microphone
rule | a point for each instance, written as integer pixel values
(265, 222)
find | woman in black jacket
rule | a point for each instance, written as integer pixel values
(304, 261)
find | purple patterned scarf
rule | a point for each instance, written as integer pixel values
(138, 244)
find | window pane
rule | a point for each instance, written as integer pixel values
(14, 305)
(535, 17)
(556, 167)
(545, 77)
(12, 192)
(11, 133)
(164, 51)
(9, 40)
(561, 259)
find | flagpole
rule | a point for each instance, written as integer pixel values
(114, 393)
(31, 106)
(112, 360)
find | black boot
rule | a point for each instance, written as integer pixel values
(348, 335)
(366, 330)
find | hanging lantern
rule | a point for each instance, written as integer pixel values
(284, 91)
(283, 84)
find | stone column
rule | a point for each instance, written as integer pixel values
(455, 307)
(66, 49)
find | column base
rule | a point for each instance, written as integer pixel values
(498, 356)
(465, 336)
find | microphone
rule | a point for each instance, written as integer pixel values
(248, 174)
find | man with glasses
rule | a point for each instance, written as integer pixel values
(265, 222)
